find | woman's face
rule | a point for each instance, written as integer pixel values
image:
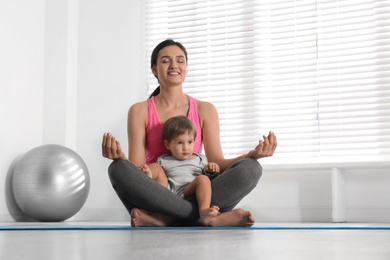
(171, 68)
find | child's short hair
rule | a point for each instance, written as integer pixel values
(177, 125)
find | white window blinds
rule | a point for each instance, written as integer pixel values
(354, 78)
(317, 73)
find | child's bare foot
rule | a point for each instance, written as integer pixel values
(234, 218)
(145, 168)
(144, 218)
(205, 216)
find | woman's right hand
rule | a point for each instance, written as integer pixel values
(265, 148)
(111, 148)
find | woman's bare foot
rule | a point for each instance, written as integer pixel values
(234, 218)
(144, 218)
(206, 215)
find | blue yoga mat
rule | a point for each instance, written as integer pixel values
(254, 227)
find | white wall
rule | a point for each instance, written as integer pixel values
(21, 86)
(110, 79)
(69, 71)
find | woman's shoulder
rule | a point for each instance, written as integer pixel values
(206, 111)
(139, 107)
(204, 105)
(139, 111)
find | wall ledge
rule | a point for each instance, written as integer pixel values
(316, 164)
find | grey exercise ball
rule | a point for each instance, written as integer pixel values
(51, 183)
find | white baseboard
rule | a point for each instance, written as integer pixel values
(113, 214)
(262, 214)
(292, 214)
(376, 215)
(357, 215)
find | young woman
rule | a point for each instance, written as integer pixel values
(148, 202)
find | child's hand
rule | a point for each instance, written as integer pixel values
(145, 169)
(212, 167)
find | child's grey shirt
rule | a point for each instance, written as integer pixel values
(181, 173)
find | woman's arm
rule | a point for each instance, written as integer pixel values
(137, 121)
(208, 116)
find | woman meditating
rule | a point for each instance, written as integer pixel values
(150, 203)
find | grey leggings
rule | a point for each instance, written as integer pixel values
(136, 189)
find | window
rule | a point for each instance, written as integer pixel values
(316, 72)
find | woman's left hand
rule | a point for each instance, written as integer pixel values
(265, 148)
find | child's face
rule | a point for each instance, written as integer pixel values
(181, 146)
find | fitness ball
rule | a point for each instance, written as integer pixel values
(50, 183)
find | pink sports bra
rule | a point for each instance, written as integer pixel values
(154, 141)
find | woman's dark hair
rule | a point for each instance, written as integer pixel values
(157, 49)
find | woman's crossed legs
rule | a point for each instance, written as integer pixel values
(151, 204)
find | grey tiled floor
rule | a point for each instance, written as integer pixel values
(196, 244)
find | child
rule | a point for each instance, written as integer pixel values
(182, 170)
